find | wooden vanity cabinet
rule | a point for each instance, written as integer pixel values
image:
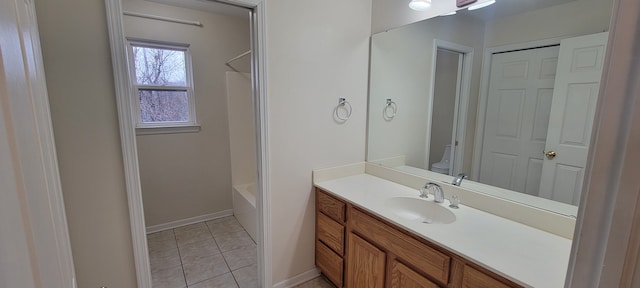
(356, 249)
(330, 237)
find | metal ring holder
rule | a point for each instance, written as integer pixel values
(390, 110)
(344, 104)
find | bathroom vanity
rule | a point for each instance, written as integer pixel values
(364, 240)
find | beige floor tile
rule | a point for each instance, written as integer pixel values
(198, 268)
(161, 236)
(159, 245)
(163, 253)
(203, 248)
(164, 258)
(319, 282)
(233, 240)
(171, 277)
(247, 277)
(242, 257)
(193, 236)
(222, 281)
(200, 253)
(224, 225)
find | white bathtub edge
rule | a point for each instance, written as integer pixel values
(244, 209)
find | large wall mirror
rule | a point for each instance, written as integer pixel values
(505, 94)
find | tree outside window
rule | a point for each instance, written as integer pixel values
(162, 85)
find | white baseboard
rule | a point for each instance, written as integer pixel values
(298, 279)
(187, 221)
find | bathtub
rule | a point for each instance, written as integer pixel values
(244, 207)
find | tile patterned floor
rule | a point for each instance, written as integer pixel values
(212, 254)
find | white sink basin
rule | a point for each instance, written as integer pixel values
(425, 211)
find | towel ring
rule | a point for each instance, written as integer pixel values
(345, 105)
(390, 110)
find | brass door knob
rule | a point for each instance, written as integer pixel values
(550, 154)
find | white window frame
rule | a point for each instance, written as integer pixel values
(191, 125)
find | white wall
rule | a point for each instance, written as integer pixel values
(16, 263)
(575, 18)
(401, 66)
(242, 136)
(18, 257)
(77, 62)
(317, 52)
(189, 174)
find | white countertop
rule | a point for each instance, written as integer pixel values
(523, 254)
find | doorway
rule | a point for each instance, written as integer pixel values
(451, 80)
(130, 149)
(537, 122)
(518, 106)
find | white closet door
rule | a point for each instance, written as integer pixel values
(573, 108)
(518, 106)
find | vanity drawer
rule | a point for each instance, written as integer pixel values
(330, 206)
(330, 233)
(472, 278)
(412, 251)
(329, 263)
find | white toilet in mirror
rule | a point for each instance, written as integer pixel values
(442, 167)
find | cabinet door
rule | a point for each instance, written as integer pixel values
(405, 277)
(365, 265)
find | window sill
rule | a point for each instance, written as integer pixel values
(168, 130)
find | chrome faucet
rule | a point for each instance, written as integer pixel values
(458, 180)
(438, 194)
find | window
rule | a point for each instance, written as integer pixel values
(163, 90)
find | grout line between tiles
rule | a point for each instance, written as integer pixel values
(214, 239)
(222, 253)
(234, 279)
(184, 275)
